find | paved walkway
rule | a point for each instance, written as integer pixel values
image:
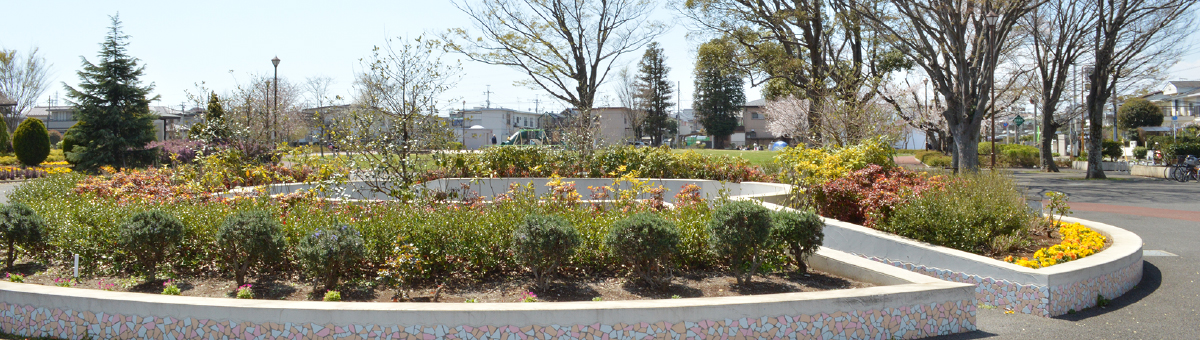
(1164, 306)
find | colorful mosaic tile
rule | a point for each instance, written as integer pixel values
(1035, 299)
(908, 322)
(1082, 294)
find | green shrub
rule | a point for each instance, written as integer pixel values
(333, 296)
(966, 214)
(69, 141)
(55, 137)
(150, 237)
(1139, 112)
(542, 243)
(1140, 152)
(740, 231)
(1174, 151)
(250, 239)
(1009, 155)
(330, 252)
(20, 226)
(646, 242)
(1110, 149)
(922, 155)
(938, 161)
(31, 142)
(800, 232)
(169, 288)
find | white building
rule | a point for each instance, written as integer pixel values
(502, 122)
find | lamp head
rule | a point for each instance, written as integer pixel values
(275, 61)
(992, 17)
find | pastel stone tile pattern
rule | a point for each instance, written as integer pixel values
(910, 322)
(1036, 299)
(1082, 294)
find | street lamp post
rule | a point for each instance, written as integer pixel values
(991, 25)
(275, 106)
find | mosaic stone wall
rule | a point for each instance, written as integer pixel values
(909, 322)
(1036, 299)
(1082, 294)
(1022, 298)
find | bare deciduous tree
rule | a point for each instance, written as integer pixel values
(22, 80)
(630, 97)
(788, 116)
(565, 47)
(1058, 31)
(1131, 36)
(395, 114)
(956, 47)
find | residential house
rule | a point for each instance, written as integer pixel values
(753, 126)
(168, 123)
(616, 127)
(1178, 98)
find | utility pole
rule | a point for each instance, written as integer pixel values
(535, 104)
(489, 96)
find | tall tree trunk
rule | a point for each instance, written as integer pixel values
(1049, 129)
(967, 147)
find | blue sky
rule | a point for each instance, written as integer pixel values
(185, 42)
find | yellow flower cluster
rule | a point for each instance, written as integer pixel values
(47, 170)
(1078, 242)
(807, 167)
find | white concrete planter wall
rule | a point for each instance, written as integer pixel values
(1106, 166)
(909, 306)
(490, 187)
(1049, 291)
(1150, 171)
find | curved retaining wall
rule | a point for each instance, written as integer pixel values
(487, 188)
(1049, 291)
(910, 306)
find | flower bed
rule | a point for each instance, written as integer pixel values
(1078, 241)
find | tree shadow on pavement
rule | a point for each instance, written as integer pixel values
(1151, 280)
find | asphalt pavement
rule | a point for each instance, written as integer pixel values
(1164, 305)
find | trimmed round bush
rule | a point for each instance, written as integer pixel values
(55, 137)
(69, 141)
(646, 242)
(150, 238)
(1139, 112)
(21, 226)
(542, 243)
(800, 232)
(31, 142)
(739, 231)
(330, 252)
(1110, 149)
(247, 240)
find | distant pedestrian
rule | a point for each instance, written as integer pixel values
(493, 139)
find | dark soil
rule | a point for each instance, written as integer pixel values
(504, 289)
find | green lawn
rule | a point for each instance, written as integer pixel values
(755, 157)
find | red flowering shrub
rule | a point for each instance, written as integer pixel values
(865, 196)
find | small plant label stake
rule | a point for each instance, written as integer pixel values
(77, 267)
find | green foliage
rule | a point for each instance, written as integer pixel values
(332, 296)
(113, 109)
(214, 129)
(1110, 149)
(719, 88)
(654, 92)
(5, 143)
(801, 232)
(612, 161)
(69, 141)
(966, 213)
(331, 252)
(939, 161)
(250, 239)
(541, 243)
(1140, 152)
(1139, 112)
(1009, 155)
(740, 232)
(807, 168)
(20, 226)
(55, 138)
(1175, 151)
(646, 242)
(31, 142)
(150, 237)
(169, 288)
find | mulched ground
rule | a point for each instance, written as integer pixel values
(506, 289)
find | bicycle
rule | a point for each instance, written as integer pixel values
(1185, 170)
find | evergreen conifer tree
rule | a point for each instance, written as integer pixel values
(215, 129)
(655, 92)
(112, 108)
(719, 90)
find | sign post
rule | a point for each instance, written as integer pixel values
(1018, 121)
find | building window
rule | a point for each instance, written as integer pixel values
(755, 115)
